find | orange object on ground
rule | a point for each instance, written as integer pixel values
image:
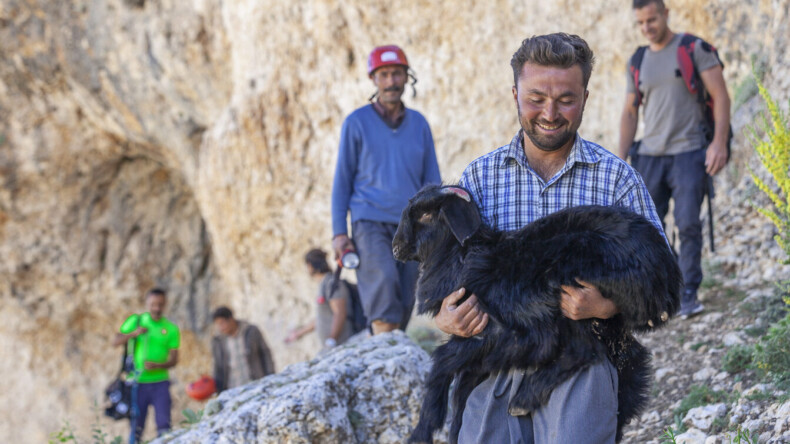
(202, 388)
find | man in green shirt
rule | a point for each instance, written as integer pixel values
(155, 349)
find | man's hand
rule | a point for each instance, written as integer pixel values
(715, 157)
(464, 320)
(341, 243)
(172, 360)
(149, 365)
(292, 336)
(585, 302)
(121, 338)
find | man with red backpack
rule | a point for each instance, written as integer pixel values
(678, 81)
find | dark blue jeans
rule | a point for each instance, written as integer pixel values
(156, 394)
(681, 177)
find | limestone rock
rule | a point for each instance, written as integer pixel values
(702, 417)
(731, 339)
(366, 392)
(705, 374)
(691, 436)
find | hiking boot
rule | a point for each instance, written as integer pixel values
(689, 306)
(690, 310)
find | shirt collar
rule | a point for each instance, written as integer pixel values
(581, 152)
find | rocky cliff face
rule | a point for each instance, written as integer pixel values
(191, 144)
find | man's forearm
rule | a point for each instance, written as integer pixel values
(121, 339)
(172, 360)
(628, 123)
(721, 115)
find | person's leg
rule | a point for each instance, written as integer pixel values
(143, 401)
(377, 276)
(486, 418)
(162, 403)
(582, 409)
(688, 180)
(654, 171)
(134, 415)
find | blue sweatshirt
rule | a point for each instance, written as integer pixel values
(380, 168)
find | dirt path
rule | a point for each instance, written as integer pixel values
(688, 358)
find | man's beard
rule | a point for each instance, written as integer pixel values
(547, 142)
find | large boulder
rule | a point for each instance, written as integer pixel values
(368, 391)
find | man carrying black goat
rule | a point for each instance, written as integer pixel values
(545, 168)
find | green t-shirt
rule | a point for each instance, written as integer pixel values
(153, 345)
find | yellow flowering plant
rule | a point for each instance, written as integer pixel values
(773, 150)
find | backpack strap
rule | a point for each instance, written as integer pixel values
(634, 67)
(688, 69)
(128, 345)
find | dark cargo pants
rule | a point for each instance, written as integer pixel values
(681, 177)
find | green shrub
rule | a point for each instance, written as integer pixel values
(772, 352)
(759, 396)
(737, 359)
(669, 436)
(742, 436)
(66, 434)
(191, 416)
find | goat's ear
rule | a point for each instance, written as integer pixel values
(462, 217)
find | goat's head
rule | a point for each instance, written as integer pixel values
(434, 216)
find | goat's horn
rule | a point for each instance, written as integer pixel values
(460, 192)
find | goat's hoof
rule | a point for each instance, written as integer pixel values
(518, 411)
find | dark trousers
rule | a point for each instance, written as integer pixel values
(681, 177)
(386, 286)
(156, 394)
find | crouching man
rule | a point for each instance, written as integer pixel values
(240, 353)
(546, 167)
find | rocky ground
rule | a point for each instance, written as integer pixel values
(689, 363)
(370, 390)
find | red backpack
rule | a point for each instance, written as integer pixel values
(690, 76)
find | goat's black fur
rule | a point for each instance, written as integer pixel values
(517, 276)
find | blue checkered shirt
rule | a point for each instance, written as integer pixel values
(510, 194)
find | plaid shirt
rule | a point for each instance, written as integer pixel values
(510, 194)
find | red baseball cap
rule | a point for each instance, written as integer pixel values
(384, 56)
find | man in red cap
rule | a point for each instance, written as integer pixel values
(386, 155)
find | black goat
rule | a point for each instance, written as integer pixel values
(517, 276)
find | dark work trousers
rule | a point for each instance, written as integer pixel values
(386, 286)
(156, 394)
(681, 177)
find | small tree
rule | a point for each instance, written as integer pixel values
(773, 151)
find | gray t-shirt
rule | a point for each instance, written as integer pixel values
(323, 320)
(673, 117)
